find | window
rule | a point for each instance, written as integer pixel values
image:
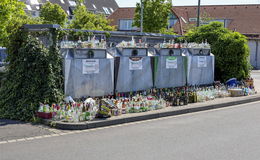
(71, 10)
(193, 19)
(28, 7)
(172, 20)
(72, 3)
(226, 22)
(106, 10)
(183, 20)
(112, 10)
(126, 25)
(35, 13)
(94, 6)
(34, 1)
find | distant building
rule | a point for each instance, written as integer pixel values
(106, 7)
(122, 18)
(241, 18)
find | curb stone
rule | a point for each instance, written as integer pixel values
(110, 122)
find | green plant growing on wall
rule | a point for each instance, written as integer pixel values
(155, 15)
(230, 49)
(33, 76)
(53, 14)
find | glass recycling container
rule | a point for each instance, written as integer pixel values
(169, 68)
(88, 72)
(201, 66)
(133, 69)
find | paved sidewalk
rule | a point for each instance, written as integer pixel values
(256, 75)
(10, 129)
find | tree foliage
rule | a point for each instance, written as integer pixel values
(53, 14)
(155, 17)
(33, 76)
(83, 19)
(9, 10)
(230, 49)
(12, 17)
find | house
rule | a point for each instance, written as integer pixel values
(241, 18)
(122, 18)
(106, 7)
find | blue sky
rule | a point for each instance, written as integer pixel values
(131, 3)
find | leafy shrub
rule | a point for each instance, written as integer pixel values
(230, 49)
(33, 76)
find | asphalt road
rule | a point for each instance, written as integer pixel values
(10, 130)
(225, 134)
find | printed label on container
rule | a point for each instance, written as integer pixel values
(171, 62)
(90, 66)
(135, 63)
(202, 61)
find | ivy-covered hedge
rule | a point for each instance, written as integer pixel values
(230, 49)
(33, 75)
(1, 77)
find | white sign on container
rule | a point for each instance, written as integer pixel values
(202, 61)
(90, 66)
(135, 63)
(171, 62)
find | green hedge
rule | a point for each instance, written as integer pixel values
(230, 49)
(33, 75)
(1, 78)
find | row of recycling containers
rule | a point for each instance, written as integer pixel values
(101, 72)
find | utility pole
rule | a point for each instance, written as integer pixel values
(198, 18)
(142, 16)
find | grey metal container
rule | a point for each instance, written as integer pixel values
(128, 52)
(201, 69)
(169, 52)
(88, 73)
(169, 69)
(133, 70)
(199, 51)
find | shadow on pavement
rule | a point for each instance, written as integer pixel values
(4, 122)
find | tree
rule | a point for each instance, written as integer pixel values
(12, 17)
(230, 49)
(9, 9)
(155, 15)
(53, 14)
(83, 19)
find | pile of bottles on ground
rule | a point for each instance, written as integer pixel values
(136, 102)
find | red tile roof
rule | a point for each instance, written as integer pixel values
(242, 18)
